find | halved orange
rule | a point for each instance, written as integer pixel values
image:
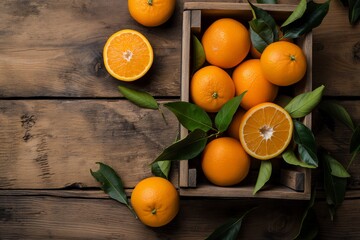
(128, 55)
(265, 130)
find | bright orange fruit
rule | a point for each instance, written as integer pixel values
(155, 201)
(265, 131)
(226, 43)
(224, 162)
(151, 13)
(283, 63)
(127, 55)
(248, 76)
(211, 87)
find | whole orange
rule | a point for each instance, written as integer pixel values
(225, 162)
(226, 43)
(248, 76)
(155, 201)
(283, 63)
(233, 129)
(211, 87)
(151, 13)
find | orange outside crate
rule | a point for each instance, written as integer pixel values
(288, 182)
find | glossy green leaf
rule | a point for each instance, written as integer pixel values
(261, 34)
(289, 156)
(309, 227)
(336, 111)
(267, 1)
(304, 103)
(263, 175)
(111, 184)
(190, 115)
(312, 18)
(354, 11)
(139, 98)
(335, 187)
(224, 116)
(229, 230)
(187, 148)
(198, 57)
(263, 15)
(305, 140)
(296, 14)
(161, 168)
(336, 168)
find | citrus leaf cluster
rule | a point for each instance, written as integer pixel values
(306, 16)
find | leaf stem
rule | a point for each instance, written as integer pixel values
(352, 159)
(132, 211)
(163, 116)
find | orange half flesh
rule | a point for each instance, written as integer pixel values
(127, 55)
(265, 131)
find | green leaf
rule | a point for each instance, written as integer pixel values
(312, 18)
(304, 103)
(305, 140)
(190, 115)
(139, 98)
(308, 227)
(224, 116)
(354, 11)
(229, 230)
(187, 148)
(336, 111)
(296, 14)
(111, 184)
(161, 168)
(261, 34)
(336, 168)
(263, 175)
(335, 187)
(267, 1)
(198, 54)
(289, 156)
(263, 15)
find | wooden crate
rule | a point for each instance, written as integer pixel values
(289, 182)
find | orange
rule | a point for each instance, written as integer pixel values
(283, 63)
(155, 201)
(265, 131)
(127, 55)
(248, 76)
(226, 43)
(233, 129)
(224, 162)
(211, 87)
(151, 13)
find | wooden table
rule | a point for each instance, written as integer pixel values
(60, 112)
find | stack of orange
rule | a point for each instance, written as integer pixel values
(262, 129)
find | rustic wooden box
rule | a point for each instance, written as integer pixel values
(289, 182)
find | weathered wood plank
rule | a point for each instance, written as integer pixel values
(44, 217)
(54, 48)
(54, 143)
(336, 58)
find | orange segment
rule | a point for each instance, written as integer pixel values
(265, 131)
(128, 55)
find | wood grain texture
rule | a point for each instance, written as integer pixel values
(54, 48)
(45, 217)
(336, 58)
(54, 143)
